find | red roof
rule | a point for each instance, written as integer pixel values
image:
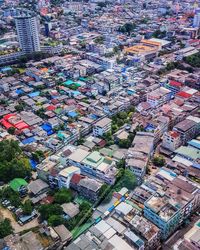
(51, 108)
(6, 124)
(21, 125)
(76, 178)
(6, 117)
(175, 83)
(184, 94)
(174, 134)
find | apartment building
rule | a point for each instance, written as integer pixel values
(102, 126)
(159, 97)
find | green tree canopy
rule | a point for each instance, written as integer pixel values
(63, 196)
(13, 163)
(48, 210)
(27, 207)
(5, 228)
(12, 196)
(159, 161)
(55, 220)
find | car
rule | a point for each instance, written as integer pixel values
(20, 223)
(9, 208)
(6, 203)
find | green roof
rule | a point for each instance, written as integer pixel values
(16, 183)
(107, 152)
(94, 159)
(189, 152)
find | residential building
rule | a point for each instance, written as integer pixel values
(159, 97)
(138, 155)
(94, 164)
(188, 128)
(168, 211)
(191, 240)
(171, 140)
(147, 231)
(86, 186)
(27, 31)
(65, 175)
(102, 126)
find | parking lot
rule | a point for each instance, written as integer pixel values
(17, 228)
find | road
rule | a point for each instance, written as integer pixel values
(5, 213)
(179, 233)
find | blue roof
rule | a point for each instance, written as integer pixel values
(46, 127)
(194, 143)
(6, 69)
(93, 116)
(72, 114)
(34, 94)
(149, 128)
(28, 140)
(33, 164)
(50, 132)
(19, 91)
(75, 93)
(25, 218)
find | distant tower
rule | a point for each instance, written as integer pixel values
(196, 20)
(27, 31)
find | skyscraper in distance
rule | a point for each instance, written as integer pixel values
(27, 31)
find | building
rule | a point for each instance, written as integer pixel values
(65, 176)
(27, 31)
(94, 164)
(149, 233)
(19, 185)
(189, 155)
(138, 155)
(158, 97)
(171, 140)
(168, 211)
(86, 186)
(196, 20)
(27, 241)
(102, 126)
(191, 239)
(188, 128)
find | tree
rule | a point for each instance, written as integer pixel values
(85, 213)
(12, 196)
(19, 107)
(55, 220)
(121, 164)
(5, 228)
(159, 161)
(38, 155)
(193, 60)
(127, 28)
(63, 196)
(27, 207)
(122, 115)
(13, 162)
(11, 130)
(125, 178)
(48, 210)
(99, 40)
(102, 4)
(103, 190)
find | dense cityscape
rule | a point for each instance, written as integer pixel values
(99, 124)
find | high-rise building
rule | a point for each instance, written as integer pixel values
(196, 20)
(27, 31)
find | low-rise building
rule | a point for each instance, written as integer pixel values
(159, 97)
(171, 140)
(65, 175)
(102, 126)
